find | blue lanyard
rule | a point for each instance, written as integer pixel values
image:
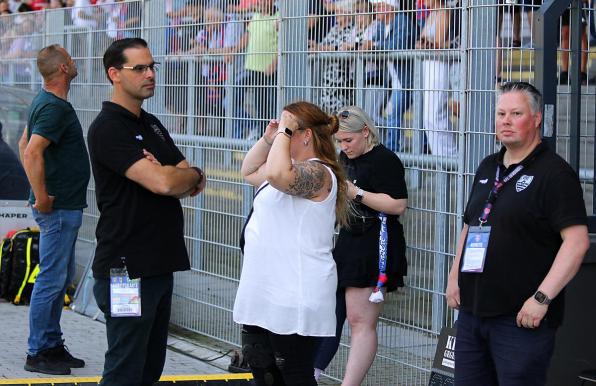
(494, 192)
(382, 253)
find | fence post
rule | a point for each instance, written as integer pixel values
(441, 243)
(482, 56)
(546, 39)
(291, 66)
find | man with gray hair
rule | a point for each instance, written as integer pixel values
(524, 238)
(57, 167)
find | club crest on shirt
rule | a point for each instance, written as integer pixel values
(523, 182)
(158, 131)
(484, 181)
(139, 137)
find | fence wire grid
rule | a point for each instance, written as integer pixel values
(425, 71)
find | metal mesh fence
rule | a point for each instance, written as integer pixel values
(425, 71)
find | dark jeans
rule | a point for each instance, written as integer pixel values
(327, 347)
(137, 345)
(297, 352)
(494, 351)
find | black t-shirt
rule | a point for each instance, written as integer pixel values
(544, 198)
(143, 227)
(13, 180)
(357, 248)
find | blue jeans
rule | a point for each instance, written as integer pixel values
(400, 101)
(59, 230)
(494, 351)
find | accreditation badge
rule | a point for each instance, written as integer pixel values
(125, 294)
(475, 249)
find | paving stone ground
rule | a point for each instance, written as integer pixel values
(86, 339)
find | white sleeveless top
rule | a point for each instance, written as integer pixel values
(289, 278)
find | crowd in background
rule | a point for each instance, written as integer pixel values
(245, 34)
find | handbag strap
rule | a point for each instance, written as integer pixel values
(252, 208)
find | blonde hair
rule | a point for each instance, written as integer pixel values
(352, 119)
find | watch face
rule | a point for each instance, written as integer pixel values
(541, 298)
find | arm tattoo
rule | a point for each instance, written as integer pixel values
(310, 178)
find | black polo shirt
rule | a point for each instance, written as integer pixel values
(143, 227)
(544, 198)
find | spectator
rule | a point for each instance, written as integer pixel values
(395, 32)
(14, 5)
(123, 19)
(38, 5)
(4, 9)
(378, 190)
(528, 7)
(24, 46)
(421, 14)
(282, 308)
(514, 11)
(365, 27)
(319, 21)
(216, 38)
(565, 43)
(527, 207)
(436, 119)
(260, 68)
(55, 4)
(243, 6)
(187, 20)
(25, 6)
(336, 82)
(13, 180)
(85, 15)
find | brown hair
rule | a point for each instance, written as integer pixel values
(323, 127)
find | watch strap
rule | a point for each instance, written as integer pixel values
(542, 298)
(286, 131)
(359, 195)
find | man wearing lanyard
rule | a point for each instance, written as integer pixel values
(140, 175)
(523, 240)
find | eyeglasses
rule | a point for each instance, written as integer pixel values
(142, 68)
(344, 114)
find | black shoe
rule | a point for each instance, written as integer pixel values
(42, 364)
(564, 77)
(61, 354)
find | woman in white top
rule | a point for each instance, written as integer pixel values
(286, 295)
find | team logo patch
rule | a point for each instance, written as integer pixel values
(484, 181)
(523, 182)
(158, 131)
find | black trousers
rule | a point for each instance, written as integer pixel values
(297, 353)
(137, 345)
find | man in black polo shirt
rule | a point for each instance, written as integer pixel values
(523, 240)
(139, 177)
